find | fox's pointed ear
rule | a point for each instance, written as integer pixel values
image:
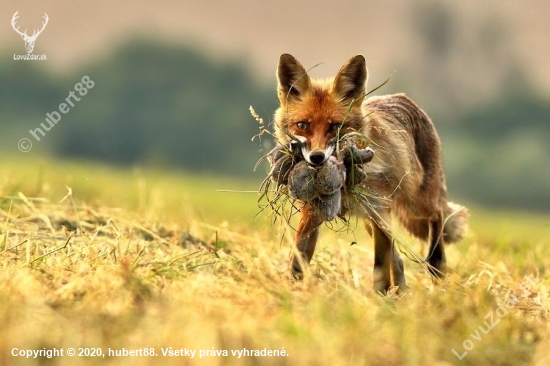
(293, 78)
(351, 80)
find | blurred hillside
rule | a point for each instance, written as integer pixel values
(150, 103)
(387, 33)
(173, 81)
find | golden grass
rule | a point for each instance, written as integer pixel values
(139, 260)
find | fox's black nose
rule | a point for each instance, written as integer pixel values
(317, 157)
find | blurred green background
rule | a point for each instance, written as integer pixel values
(174, 80)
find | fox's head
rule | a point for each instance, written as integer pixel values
(316, 112)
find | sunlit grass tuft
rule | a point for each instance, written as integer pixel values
(150, 259)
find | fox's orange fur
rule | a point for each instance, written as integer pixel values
(406, 173)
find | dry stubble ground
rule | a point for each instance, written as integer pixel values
(139, 260)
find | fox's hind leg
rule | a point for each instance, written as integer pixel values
(436, 254)
(388, 267)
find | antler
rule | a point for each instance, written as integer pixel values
(34, 35)
(13, 19)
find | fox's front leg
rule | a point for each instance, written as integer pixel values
(306, 239)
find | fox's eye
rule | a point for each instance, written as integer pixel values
(302, 125)
(335, 127)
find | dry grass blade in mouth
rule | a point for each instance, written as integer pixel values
(323, 187)
(281, 160)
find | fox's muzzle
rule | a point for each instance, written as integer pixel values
(318, 156)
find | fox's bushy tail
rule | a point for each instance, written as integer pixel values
(455, 219)
(455, 222)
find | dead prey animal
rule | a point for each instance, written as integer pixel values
(319, 186)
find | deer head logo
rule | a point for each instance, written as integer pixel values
(29, 40)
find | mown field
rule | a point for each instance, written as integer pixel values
(100, 259)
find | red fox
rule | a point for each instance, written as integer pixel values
(405, 175)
